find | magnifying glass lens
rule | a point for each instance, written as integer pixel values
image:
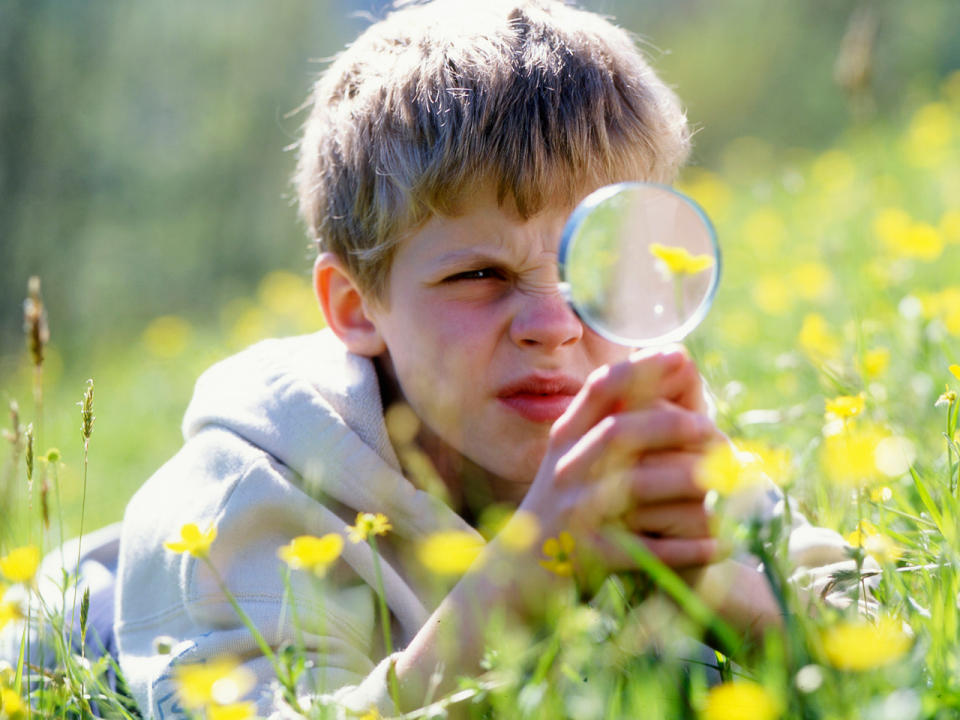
(639, 263)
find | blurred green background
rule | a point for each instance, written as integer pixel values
(144, 176)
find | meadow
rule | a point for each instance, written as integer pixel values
(833, 352)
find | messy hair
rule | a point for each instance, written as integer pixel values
(535, 99)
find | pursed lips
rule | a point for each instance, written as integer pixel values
(539, 398)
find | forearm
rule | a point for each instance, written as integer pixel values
(503, 589)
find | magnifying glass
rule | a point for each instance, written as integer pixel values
(639, 263)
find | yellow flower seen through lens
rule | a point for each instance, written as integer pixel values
(315, 554)
(221, 681)
(679, 261)
(20, 564)
(450, 552)
(193, 541)
(368, 525)
(740, 700)
(861, 645)
(955, 371)
(559, 552)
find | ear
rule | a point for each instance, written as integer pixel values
(344, 307)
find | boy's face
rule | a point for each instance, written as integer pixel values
(481, 343)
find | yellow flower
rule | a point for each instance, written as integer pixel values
(881, 494)
(845, 406)
(882, 548)
(929, 135)
(764, 231)
(11, 705)
(740, 700)
(709, 190)
(955, 371)
(947, 397)
(679, 261)
(834, 171)
(875, 362)
(918, 241)
(726, 469)
(315, 554)
(193, 541)
(559, 552)
(234, 711)
(816, 339)
(859, 645)
(368, 524)
(891, 224)
(20, 564)
(812, 280)
(950, 226)
(8, 610)
(167, 336)
(449, 552)
(772, 295)
(850, 457)
(770, 462)
(221, 681)
(519, 532)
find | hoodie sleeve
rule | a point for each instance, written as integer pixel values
(256, 509)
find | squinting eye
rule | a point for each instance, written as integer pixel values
(481, 274)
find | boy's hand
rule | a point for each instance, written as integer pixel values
(625, 451)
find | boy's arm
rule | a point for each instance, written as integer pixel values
(626, 446)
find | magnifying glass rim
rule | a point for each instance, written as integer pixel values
(567, 241)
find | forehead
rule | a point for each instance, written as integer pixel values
(484, 226)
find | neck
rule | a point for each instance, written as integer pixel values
(470, 488)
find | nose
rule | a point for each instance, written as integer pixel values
(544, 320)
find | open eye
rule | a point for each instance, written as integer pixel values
(487, 273)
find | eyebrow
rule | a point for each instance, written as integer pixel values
(472, 255)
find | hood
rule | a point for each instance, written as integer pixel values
(316, 408)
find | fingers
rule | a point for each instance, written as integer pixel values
(679, 553)
(645, 377)
(664, 477)
(675, 520)
(618, 441)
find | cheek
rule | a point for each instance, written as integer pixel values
(442, 353)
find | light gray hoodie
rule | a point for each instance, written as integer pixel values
(285, 439)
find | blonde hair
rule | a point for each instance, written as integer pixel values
(534, 98)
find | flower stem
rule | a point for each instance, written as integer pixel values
(384, 621)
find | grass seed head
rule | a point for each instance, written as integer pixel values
(29, 456)
(86, 411)
(35, 322)
(45, 503)
(84, 611)
(16, 434)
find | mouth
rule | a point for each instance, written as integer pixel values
(539, 399)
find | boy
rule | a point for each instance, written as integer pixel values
(443, 152)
